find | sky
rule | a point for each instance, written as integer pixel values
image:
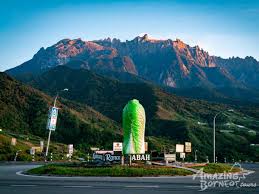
(224, 28)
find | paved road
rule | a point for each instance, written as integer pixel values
(11, 182)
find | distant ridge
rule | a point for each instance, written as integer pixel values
(165, 62)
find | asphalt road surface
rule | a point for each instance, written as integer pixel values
(12, 182)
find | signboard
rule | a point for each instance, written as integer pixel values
(108, 157)
(146, 146)
(52, 120)
(179, 148)
(36, 149)
(94, 149)
(41, 145)
(182, 155)
(188, 147)
(32, 151)
(104, 152)
(70, 149)
(13, 141)
(140, 157)
(170, 157)
(117, 146)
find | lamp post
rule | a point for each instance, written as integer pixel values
(195, 156)
(214, 134)
(54, 105)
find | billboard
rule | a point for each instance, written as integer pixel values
(41, 145)
(146, 146)
(170, 157)
(179, 148)
(134, 120)
(188, 147)
(104, 152)
(32, 151)
(182, 155)
(94, 149)
(52, 119)
(70, 149)
(117, 146)
(13, 141)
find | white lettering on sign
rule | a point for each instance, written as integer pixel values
(140, 157)
(107, 157)
(111, 158)
(97, 156)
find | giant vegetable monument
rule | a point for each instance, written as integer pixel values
(134, 120)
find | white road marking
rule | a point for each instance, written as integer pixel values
(20, 173)
(77, 186)
(190, 186)
(142, 186)
(23, 185)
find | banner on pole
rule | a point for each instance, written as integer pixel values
(52, 120)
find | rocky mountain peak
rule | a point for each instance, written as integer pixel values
(165, 62)
(179, 44)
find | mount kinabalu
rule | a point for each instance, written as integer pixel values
(164, 62)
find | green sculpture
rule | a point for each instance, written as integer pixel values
(134, 120)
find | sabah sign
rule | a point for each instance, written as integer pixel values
(188, 147)
(140, 157)
(117, 146)
(52, 120)
(179, 148)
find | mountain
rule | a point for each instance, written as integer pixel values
(169, 118)
(163, 62)
(245, 70)
(23, 110)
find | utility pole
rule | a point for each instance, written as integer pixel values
(214, 133)
(214, 138)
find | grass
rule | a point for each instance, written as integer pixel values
(24, 143)
(115, 171)
(217, 168)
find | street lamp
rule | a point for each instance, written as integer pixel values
(54, 105)
(214, 133)
(195, 156)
